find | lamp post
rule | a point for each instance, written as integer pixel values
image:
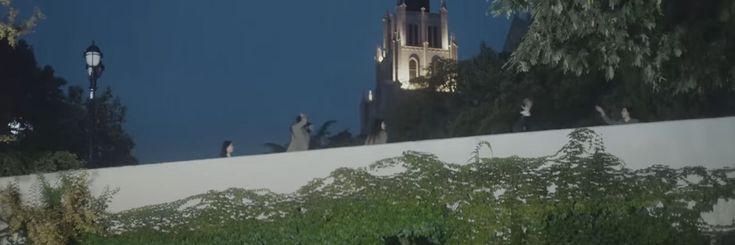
(94, 67)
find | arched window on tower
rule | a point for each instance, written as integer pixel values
(413, 68)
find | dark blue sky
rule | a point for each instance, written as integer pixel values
(193, 73)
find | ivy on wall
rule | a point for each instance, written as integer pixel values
(580, 195)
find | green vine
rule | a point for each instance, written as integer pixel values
(580, 195)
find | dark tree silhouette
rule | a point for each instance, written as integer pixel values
(56, 120)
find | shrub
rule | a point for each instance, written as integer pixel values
(13, 162)
(62, 215)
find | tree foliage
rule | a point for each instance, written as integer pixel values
(580, 195)
(113, 146)
(487, 100)
(10, 28)
(13, 163)
(7, 138)
(672, 44)
(54, 120)
(419, 114)
(441, 75)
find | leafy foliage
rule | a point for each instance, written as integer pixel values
(679, 44)
(10, 29)
(113, 146)
(665, 60)
(419, 114)
(14, 163)
(7, 138)
(580, 195)
(441, 76)
(487, 100)
(63, 214)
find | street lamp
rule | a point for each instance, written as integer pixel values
(93, 58)
(94, 67)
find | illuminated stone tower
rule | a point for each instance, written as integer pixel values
(413, 37)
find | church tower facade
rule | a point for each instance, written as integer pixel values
(413, 37)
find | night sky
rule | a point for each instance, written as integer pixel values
(193, 73)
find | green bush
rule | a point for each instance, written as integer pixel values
(7, 138)
(13, 162)
(62, 215)
(581, 195)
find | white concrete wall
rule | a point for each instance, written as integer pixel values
(709, 143)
